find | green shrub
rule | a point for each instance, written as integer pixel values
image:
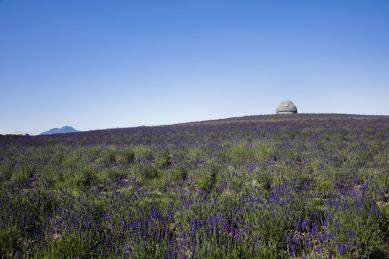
(128, 155)
(110, 156)
(263, 150)
(195, 153)
(163, 159)
(144, 152)
(87, 179)
(146, 172)
(70, 246)
(180, 173)
(9, 245)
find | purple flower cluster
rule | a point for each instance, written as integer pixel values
(252, 187)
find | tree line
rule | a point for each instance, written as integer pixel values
(13, 135)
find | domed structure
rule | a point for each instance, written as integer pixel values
(286, 107)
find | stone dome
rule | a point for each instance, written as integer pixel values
(286, 107)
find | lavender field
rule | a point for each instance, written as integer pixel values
(275, 186)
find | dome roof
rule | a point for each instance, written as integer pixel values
(286, 107)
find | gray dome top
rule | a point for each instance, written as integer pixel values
(286, 107)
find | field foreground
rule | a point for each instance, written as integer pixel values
(275, 186)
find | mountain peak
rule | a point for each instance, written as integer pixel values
(64, 129)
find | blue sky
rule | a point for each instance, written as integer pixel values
(120, 63)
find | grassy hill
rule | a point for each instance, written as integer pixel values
(270, 186)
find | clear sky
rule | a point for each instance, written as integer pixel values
(97, 64)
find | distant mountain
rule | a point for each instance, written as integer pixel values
(66, 129)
